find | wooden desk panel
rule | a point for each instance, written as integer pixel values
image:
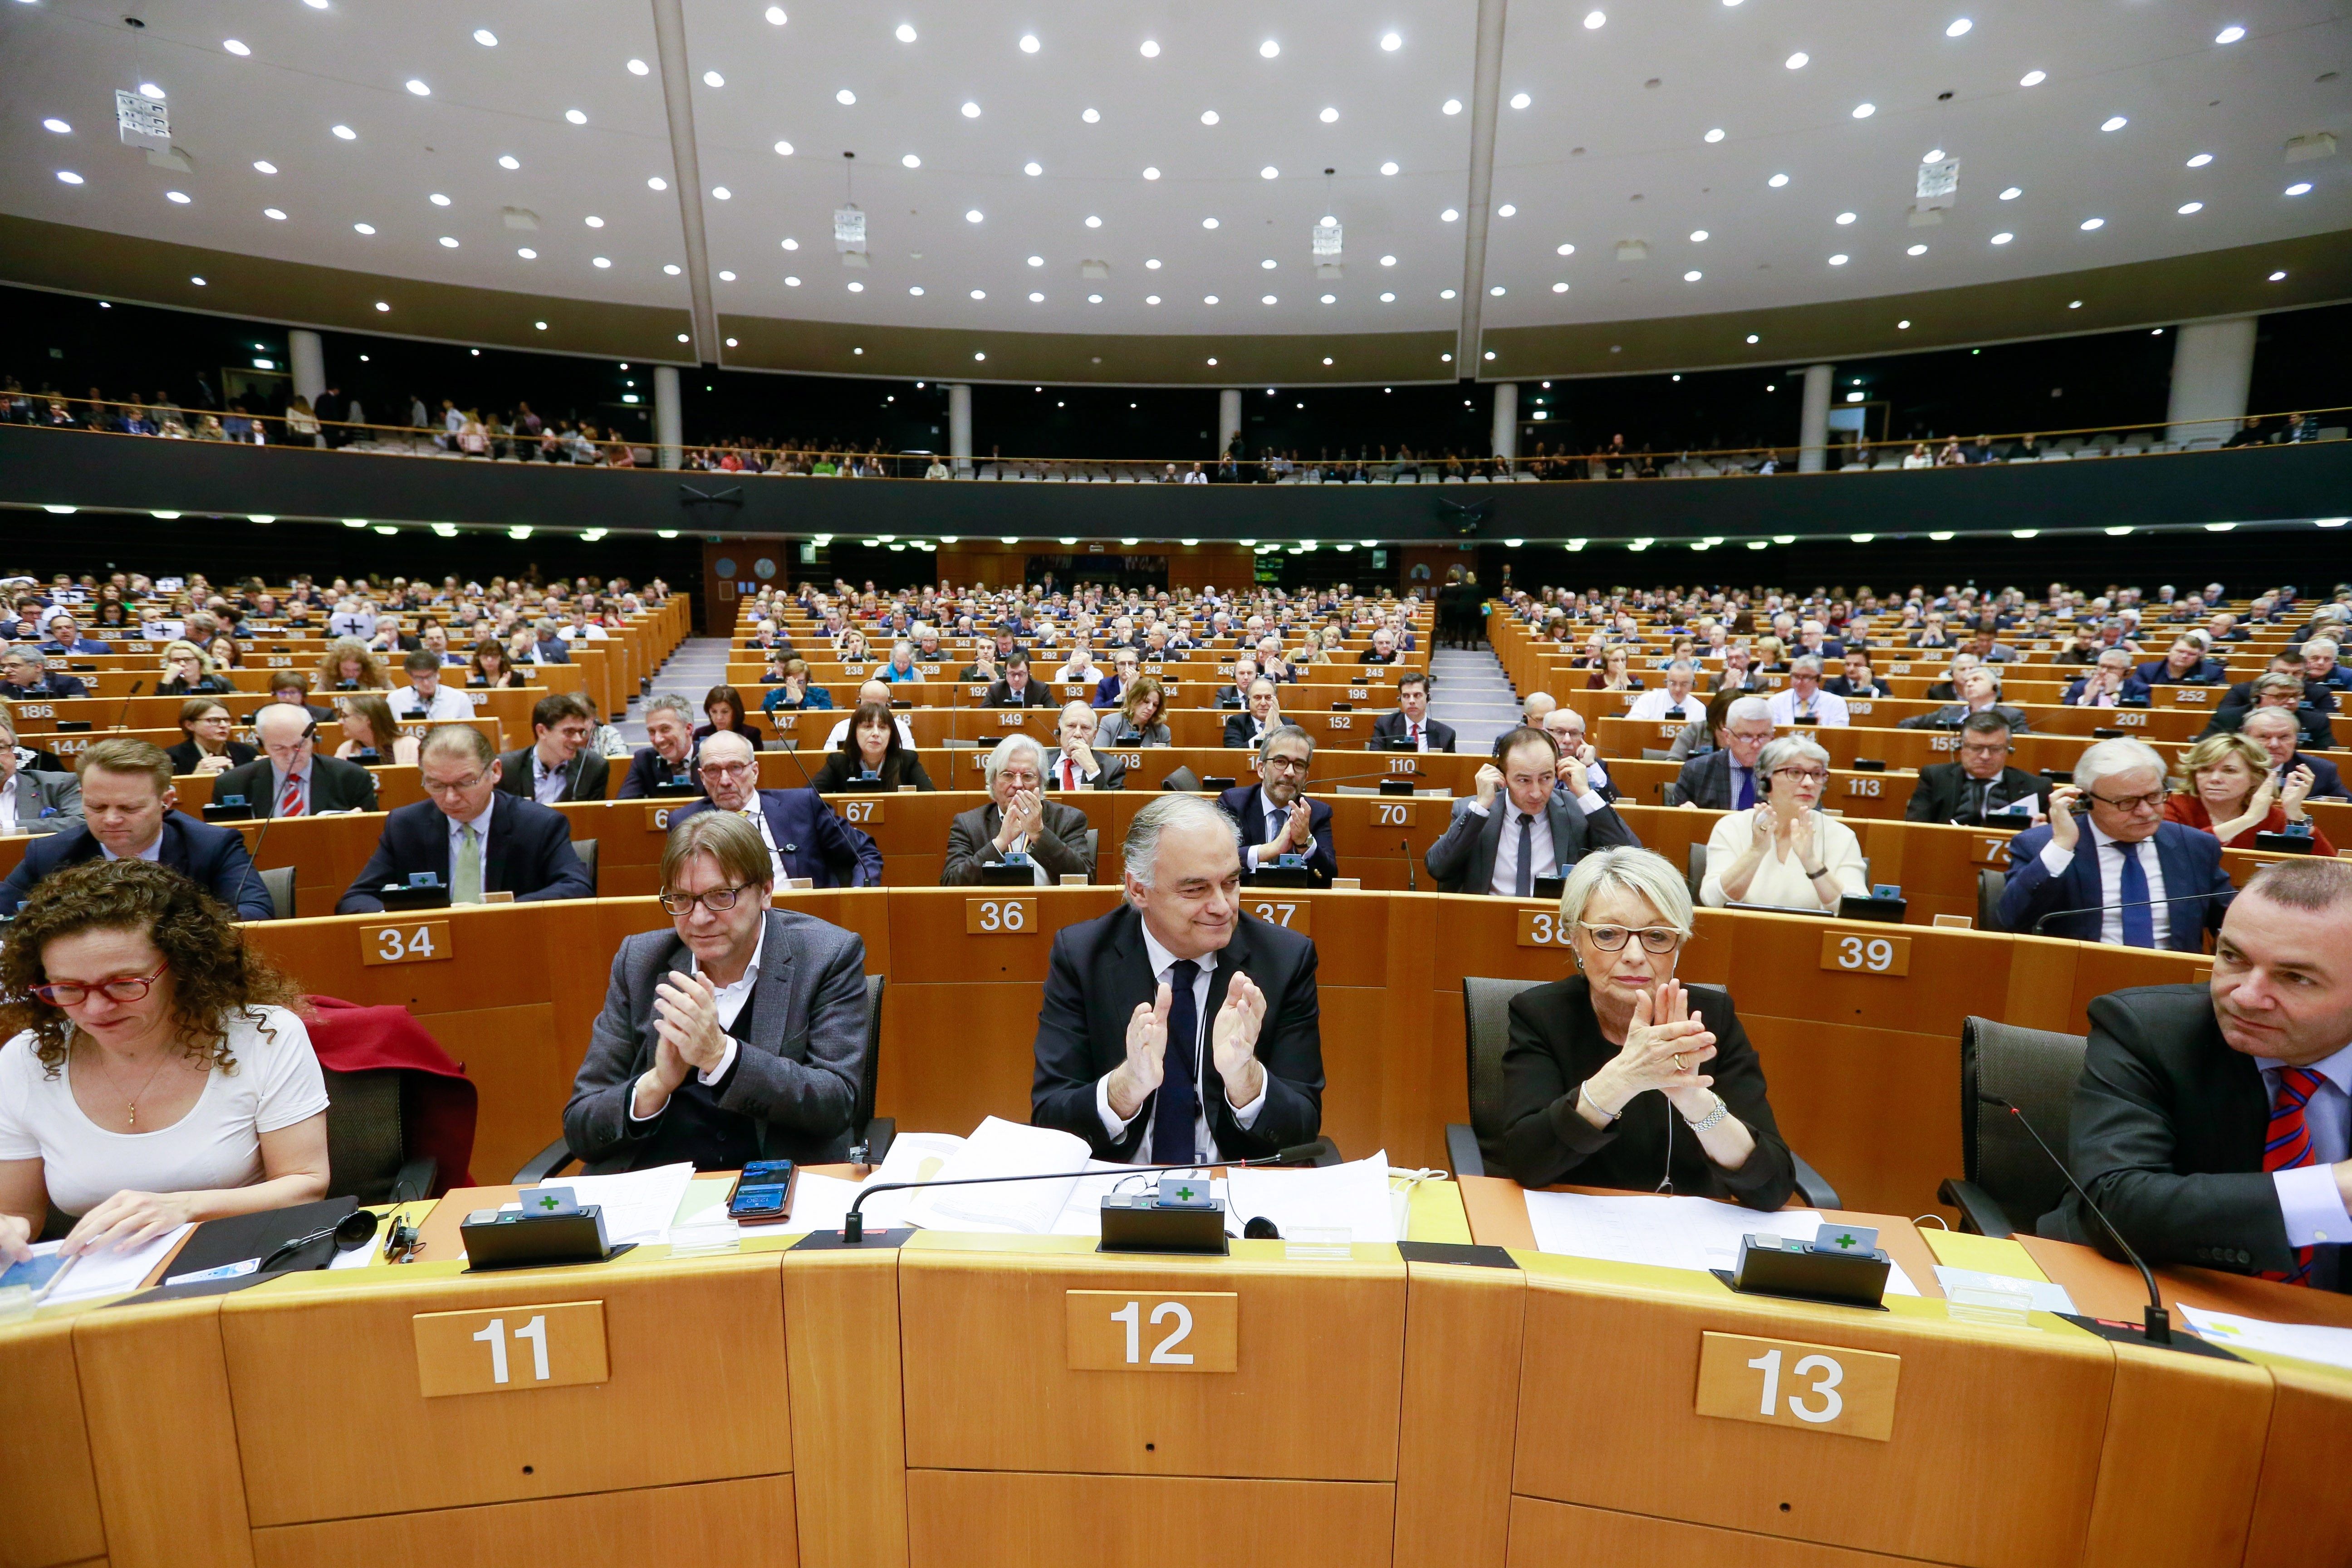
(842, 1339)
(984, 1331)
(154, 1382)
(1547, 1533)
(695, 1354)
(959, 1519)
(740, 1524)
(47, 1493)
(1464, 1335)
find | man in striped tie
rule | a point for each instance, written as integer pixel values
(2213, 1123)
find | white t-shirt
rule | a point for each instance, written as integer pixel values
(216, 1145)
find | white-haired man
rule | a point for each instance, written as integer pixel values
(2129, 877)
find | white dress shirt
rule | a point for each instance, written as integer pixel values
(481, 826)
(2308, 1198)
(547, 782)
(449, 704)
(1067, 774)
(2111, 880)
(758, 817)
(8, 789)
(153, 852)
(1162, 963)
(1827, 706)
(1546, 858)
(1656, 707)
(729, 1002)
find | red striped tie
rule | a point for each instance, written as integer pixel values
(2288, 1147)
(289, 803)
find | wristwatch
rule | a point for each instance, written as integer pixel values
(1721, 1110)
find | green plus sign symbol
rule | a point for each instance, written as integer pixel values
(549, 1204)
(1185, 1194)
(1845, 1240)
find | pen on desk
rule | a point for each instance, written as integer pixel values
(64, 1269)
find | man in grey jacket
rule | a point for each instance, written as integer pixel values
(738, 1035)
(32, 801)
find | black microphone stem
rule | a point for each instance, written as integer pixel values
(124, 713)
(2153, 1317)
(853, 1224)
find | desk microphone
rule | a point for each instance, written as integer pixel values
(1416, 773)
(2135, 904)
(1412, 882)
(124, 714)
(853, 1224)
(2156, 1324)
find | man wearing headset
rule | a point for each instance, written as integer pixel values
(290, 778)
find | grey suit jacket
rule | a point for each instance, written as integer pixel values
(797, 1075)
(1060, 847)
(58, 795)
(1462, 860)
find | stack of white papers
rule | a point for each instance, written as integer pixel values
(1696, 1234)
(1353, 1197)
(2047, 1297)
(1000, 1148)
(638, 1205)
(2305, 1341)
(108, 1272)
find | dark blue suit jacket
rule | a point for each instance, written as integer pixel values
(2134, 689)
(647, 768)
(530, 854)
(2206, 674)
(215, 858)
(816, 843)
(2191, 862)
(2325, 778)
(1323, 860)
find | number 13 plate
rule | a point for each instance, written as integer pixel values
(1810, 1388)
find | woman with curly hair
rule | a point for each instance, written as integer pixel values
(158, 1072)
(347, 665)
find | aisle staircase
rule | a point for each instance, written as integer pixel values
(1469, 691)
(700, 664)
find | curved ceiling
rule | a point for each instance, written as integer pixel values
(1599, 137)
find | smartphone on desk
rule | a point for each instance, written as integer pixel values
(763, 1192)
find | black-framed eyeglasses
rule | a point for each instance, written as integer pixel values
(1611, 938)
(717, 901)
(2152, 801)
(129, 988)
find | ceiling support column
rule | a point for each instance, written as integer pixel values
(306, 357)
(686, 162)
(960, 426)
(669, 417)
(1228, 419)
(1507, 419)
(1486, 106)
(2212, 367)
(1814, 422)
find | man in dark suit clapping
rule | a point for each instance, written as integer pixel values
(1275, 816)
(1177, 1028)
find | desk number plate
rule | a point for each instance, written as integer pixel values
(1786, 1383)
(999, 917)
(510, 1349)
(1120, 1330)
(425, 942)
(658, 816)
(1854, 953)
(1542, 928)
(1293, 914)
(858, 811)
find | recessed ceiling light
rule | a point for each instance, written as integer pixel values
(1208, 300)
(2278, 276)
(2229, 35)
(380, 304)
(1452, 105)
(1091, 116)
(2188, 207)
(527, 254)
(2091, 223)
(855, 287)
(1208, 117)
(712, 78)
(1389, 168)
(1917, 250)
(200, 283)
(1033, 168)
(1151, 299)
(1093, 221)
(1567, 250)
(791, 244)
(2011, 193)
(1693, 275)
(2300, 188)
(776, 17)
(1265, 299)
(1798, 61)
(448, 243)
(414, 86)
(1959, 26)
(1520, 100)
(1777, 181)
(2004, 237)
(911, 162)
(1497, 289)
(1388, 299)
(240, 50)
(1153, 264)
(1864, 111)
(639, 68)
(1208, 223)
(1330, 299)
(1392, 42)
(148, 89)
(509, 161)
(1714, 135)
(1595, 19)
(671, 268)
(2200, 161)
(1932, 156)
(576, 116)
(345, 132)
(1448, 215)
(1559, 287)
(1837, 260)
(2073, 304)
(1507, 210)
(783, 149)
(600, 262)
(438, 199)
(727, 278)
(274, 213)
(1029, 45)
(363, 228)
(657, 183)
(906, 34)
(1150, 50)
(973, 216)
(845, 98)
(70, 177)
(2114, 122)
(593, 221)
(1698, 237)
(1445, 293)
(1845, 217)
(980, 293)
(792, 282)
(1754, 339)
(1094, 298)
(59, 126)
(1269, 48)
(485, 38)
(1269, 173)
(177, 198)
(1329, 116)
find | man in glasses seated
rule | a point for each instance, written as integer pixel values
(737, 1035)
(1982, 783)
(803, 836)
(129, 812)
(2131, 878)
(1540, 829)
(473, 835)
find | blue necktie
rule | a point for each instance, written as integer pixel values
(1746, 794)
(2140, 923)
(1180, 1098)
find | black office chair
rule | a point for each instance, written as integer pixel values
(1989, 887)
(2007, 1184)
(1670, 793)
(876, 1134)
(1486, 1020)
(586, 850)
(1696, 868)
(367, 1155)
(278, 883)
(1183, 780)
(1093, 850)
